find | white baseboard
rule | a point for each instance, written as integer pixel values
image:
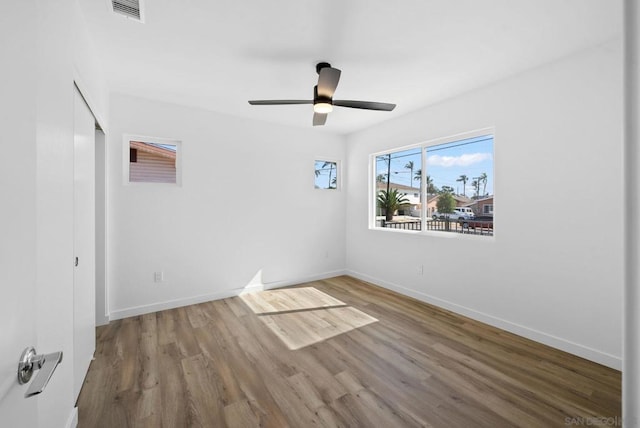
(102, 320)
(538, 336)
(72, 422)
(545, 338)
(176, 303)
(309, 278)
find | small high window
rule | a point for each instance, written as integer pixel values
(326, 174)
(152, 161)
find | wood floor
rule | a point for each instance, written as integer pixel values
(220, 364)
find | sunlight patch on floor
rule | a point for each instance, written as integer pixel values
(303, 316)
(304, 328)
(292, 299)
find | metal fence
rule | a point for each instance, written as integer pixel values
(404, 225)
(469, 227)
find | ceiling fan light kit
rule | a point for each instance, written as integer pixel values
(323, 102)
(322, 107)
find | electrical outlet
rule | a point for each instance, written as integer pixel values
(420, 270)
(158, 276)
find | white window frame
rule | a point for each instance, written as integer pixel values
(424, 145)
(338, 172)
(126, 141)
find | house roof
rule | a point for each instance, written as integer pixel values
(475, 202)
(383, 186)
(156, 149)
(458, 198)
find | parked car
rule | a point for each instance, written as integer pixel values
(480, 222)
(459, 213)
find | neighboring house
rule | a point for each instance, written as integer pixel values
(482, 206)
(432, 203)
(151, 163)
(412, 194)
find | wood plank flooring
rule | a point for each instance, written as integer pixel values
(219, 364)
(288, 300)
(303, 316)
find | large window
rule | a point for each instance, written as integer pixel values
(444, 186)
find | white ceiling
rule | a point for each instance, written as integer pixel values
(217, 54)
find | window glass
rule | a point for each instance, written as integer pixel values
(398, 177)
(326, 174)
(456, 185)
(152, 162)
(149, 160)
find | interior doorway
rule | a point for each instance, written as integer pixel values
(101, 294)
(84, 240)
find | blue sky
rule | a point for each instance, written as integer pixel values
(326, 172)
(445, 164)
(171, 147)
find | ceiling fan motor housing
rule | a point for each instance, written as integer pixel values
(320, 99)
(321, 65)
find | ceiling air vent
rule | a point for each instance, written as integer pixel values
(129, 8)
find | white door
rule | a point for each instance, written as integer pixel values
(17, 212)
(17, 252)
(84, 242)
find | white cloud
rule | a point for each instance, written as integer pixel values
(462, 160)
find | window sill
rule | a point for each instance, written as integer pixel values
(436, 234)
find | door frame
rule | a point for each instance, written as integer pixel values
(102, 205)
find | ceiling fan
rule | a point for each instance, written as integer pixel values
(323, 101)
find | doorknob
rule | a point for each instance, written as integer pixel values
(30, 362)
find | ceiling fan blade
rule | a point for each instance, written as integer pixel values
(366, 105)
(328, 81)
(319, 119)
(278, 102)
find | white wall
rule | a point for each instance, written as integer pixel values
(554, 270)
(207, 241)
(39, 107)
(88, 73)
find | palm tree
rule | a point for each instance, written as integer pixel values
(381, 178)
(476, 186)
(483, 179)
(418, 177)
(391, 200)
(431, 188)
(464, 180)
(330, 165)
(409, 166)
